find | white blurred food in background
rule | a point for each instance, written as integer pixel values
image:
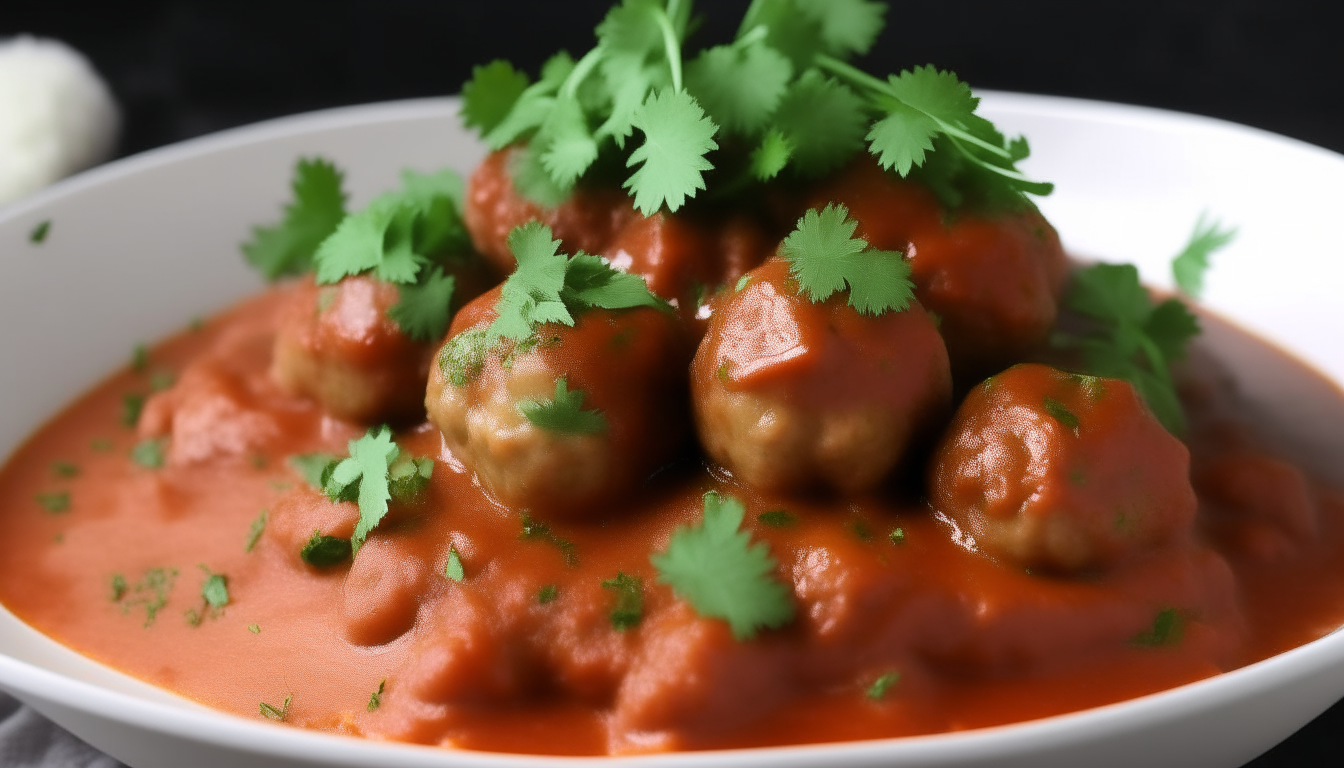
(57, 116)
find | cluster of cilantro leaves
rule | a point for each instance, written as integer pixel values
(375, 474)
(410, 237)
(546, 287)
(1130, 337)
(781, 97)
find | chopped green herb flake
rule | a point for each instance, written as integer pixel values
(1059, 412)
(860, 528)
(408, 477)
(1167, 629)
(118, 587)
(255, 530)
(463, 357)
(878, 690)
(215, 588)
(564, 413)
(254, 629)
(629, 607)
(548, 594)
(376, 698)
(161, 380)
(40, 232)
(148, 453)
(325, 551)
(55, 502)
(777, 518)
(278, 714)
(742, 282)
(65, 469)
(897, 536)
(453, 568)
(131, 405)
(365, 475)
(100, 445)
(140, 358)
(314, 467)
(150, 592)
(535, 531)
(716, 568)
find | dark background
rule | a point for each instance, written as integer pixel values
(185, 69)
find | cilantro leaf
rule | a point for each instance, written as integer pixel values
(453, 569)
(1190, 264)
(548, 287)
(148, 453)
(846, 26)
(56, 502)
(255, 530)
(564, 413)
(878, 690)
(317, 208)
(771, 156)
(716, 568)
(490, 94)
(313, 467)
(566, 144)
(1167, 629)
(824, 258)
(323, 551)
(677, 136)
(739, 87)
(215, 588)
(824, 120)
(902, 138)
(538, 531)
(39, 234)
(425, 306)
(370, 457)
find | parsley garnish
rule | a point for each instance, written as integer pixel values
(897, 536)
(324, 551)
(255, 530)
(781, 91)
(373, 475)
(716, 568)
(55, 502)
(629, 608)
(376, 698)
(1190, 264)
(272, 712)
(878, 690)
(215, 589)
(317, 207)
(148, 453)
(777, 518)
(825, 258)
(564, 413)
(535, 531)
(426, 306)
(549, 287)
(453, 568)
(1167, 629)
(547, 594)
(1130, 338)
(40, 232)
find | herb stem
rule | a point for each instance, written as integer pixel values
(580, 72)
(756, 34)
(851, 73)
(670, 43)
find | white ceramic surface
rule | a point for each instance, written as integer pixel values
(139, 247)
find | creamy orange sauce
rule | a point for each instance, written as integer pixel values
(485, 664)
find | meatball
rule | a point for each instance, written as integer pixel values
(622, 373)
(790, 395)
(337, 345)
(994, 279)
(586, 221)
(1051, 470)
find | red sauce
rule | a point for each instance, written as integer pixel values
(487, 663)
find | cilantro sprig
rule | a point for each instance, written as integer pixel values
(550, 287)
(374, 475)
(825, 258)
(780, 96)
(716, 568)
(1134, 339)
(564, 413)
(317, 207)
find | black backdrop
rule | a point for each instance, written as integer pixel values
(184, 69)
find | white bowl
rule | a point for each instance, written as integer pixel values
(139, 247)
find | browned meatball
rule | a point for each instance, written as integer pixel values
(586, 221)
(337, 345)
(993, 279)
(629, 365)
(790, 395)
(1046, 469)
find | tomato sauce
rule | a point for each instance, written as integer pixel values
(115, 520)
